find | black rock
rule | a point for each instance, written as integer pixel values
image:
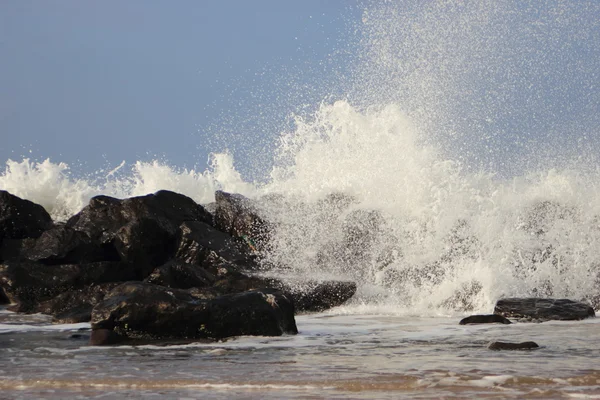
(316, 296)
(543, 309)
(58, 245)
(198, 241)
(484, 319)
(76, 305)
(21, 218)
(145, 311)
(145, 244)
(141, 230)
(29, 283)
(180, 275)
(240, 217)
(513, 346)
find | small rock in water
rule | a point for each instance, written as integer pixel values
(484, 319)
(513, 346)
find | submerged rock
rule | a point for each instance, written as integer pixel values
(543, 309)
(145, 311)
(484, 319)
(513, 346)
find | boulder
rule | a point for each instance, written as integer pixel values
(513, 346)
(239, 216)
(197, 242)
(28, 283)
(543, 309)
(181, 275)
(58, 245)
(141, 230)
(484, 319)
(76, 305)
(21, 218)
(145, 311)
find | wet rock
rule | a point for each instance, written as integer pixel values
(28, 283)
(145, 311)
(308, 296)
(319, 296)
(103, 337)
(543, 309)
(58, 245)
(484, 319)
(123, 223)
(239, 216)
(513, 346)
(181, 275)
(197, 242)
(21, 218)
(144, 244)
(76, 305)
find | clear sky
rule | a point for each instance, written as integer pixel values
(95, 83)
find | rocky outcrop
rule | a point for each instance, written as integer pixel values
(513, 346)
(183, 264)
(484, 319)
(536, 309)
(145, 311)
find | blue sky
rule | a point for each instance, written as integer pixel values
(95, 83)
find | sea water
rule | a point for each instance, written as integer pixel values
(459, 167)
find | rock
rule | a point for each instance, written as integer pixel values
(197, 241)
(58, 245)
(309, 296)
(543, 309)
(145, 311)
(144, 244)
(239, 216)
(29, 283)
(512, 346)
(181, 275)
(76, 305)
(141, 230)
(314, 296)
(484, 319)
(103, 337)
(21, 218)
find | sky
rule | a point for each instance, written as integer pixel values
(96, 83)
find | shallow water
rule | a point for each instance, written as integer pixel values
(333, 356)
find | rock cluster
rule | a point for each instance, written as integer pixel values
(158, 266)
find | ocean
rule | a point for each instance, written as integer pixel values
(460, 166)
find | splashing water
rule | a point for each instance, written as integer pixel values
(460, 167)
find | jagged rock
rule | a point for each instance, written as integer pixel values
(197, 242)
(543, 309)
(76, 305)
(239, 216)
(141, 229)
(181, 275)
(484, 319)
(310, 296)
(146, 311)
(513, 346)
(144, 244)
(28, 283)
(58, 245)
(20, 218)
